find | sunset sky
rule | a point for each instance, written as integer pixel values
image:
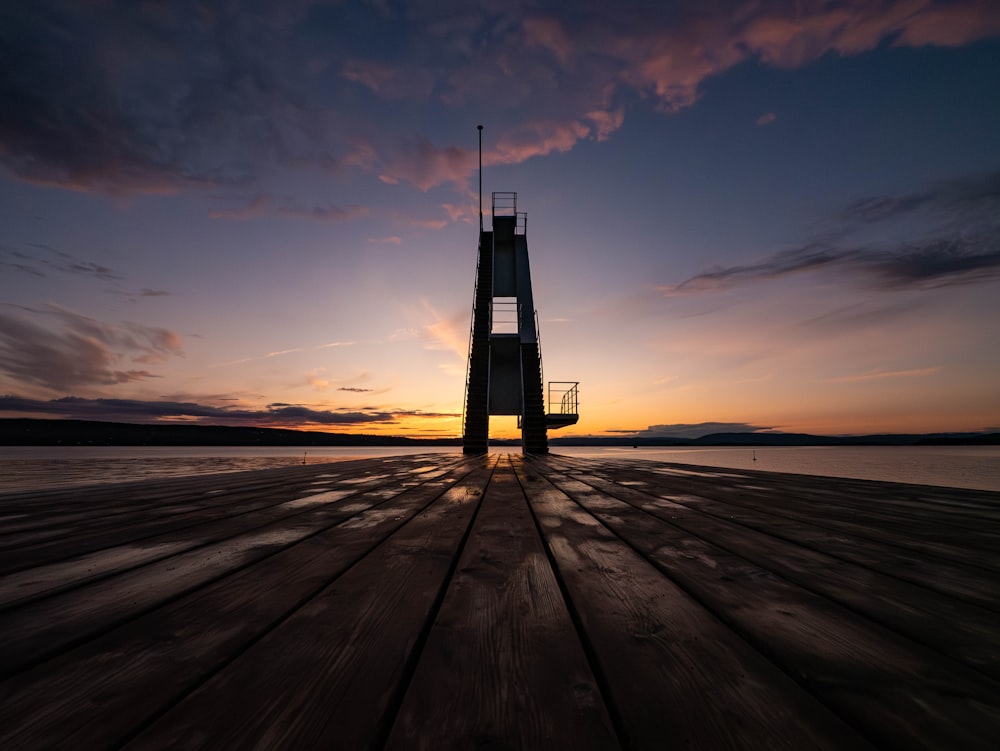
(741, 215)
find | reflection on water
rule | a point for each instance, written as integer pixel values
(975, 467)
(25, 467)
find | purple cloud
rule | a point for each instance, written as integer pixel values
(80, 351)
(135, 410)
(963, 249)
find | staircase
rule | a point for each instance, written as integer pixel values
(534, 439)
(477, 419)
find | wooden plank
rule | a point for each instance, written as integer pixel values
(828, 501)
(900, 694)
(503, 666)
(111, 498)
(44, 627)
(329, 676)
(965, 509)
(963, 631)
(956, 580)
(28, 584)
(111, 687)
(65, 541)
(973, 585)
(674, 672)
(259, 490)
(974, 505)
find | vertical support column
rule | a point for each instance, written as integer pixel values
(475, 438)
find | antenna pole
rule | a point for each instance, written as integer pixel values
(480, 127)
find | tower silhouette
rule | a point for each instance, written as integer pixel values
(505, 364)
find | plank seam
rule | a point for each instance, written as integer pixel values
(71, 644)
(262, 492)
(181, 695)
(385, 723)
(738, 632)
(588, 649)
(972, 569)
(761, 648)
(14, 604)
(956, 663)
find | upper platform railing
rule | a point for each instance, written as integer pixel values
(505, 204)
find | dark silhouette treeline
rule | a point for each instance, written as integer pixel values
(28, 432)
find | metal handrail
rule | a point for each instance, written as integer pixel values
(538, 343)
(569, 397)
(472, 331)
(468, 357)
(504, 203)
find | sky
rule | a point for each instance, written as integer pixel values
(741, 216)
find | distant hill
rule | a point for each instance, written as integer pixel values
(786, 439)
(28, 432)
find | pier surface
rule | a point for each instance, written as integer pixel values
(501, 602)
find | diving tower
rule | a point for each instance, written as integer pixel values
(505, 361)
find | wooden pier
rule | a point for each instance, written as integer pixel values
(500, 602)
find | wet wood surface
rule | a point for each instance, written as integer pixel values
(438, 601)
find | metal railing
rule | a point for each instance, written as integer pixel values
(505, 316)
(504, 204)
(567, 393)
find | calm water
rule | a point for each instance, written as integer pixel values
(23, 467)
(951, 466)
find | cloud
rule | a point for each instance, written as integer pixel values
(278, 353)
(127, 98)
(269, 206)
(425, 165)
(99, 98)
(389, 81)
(448, 333)
(975, 198)
(80, 351)
(434, 223)
(275, 414)
(963, 247)
(933, 264)
(317, 381)
(42, 260)
(873, 375)
(570, 69)
(549, 34)
(694, 430)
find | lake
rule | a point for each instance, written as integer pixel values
(26, 467)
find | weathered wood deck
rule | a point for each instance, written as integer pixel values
(442, 602)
